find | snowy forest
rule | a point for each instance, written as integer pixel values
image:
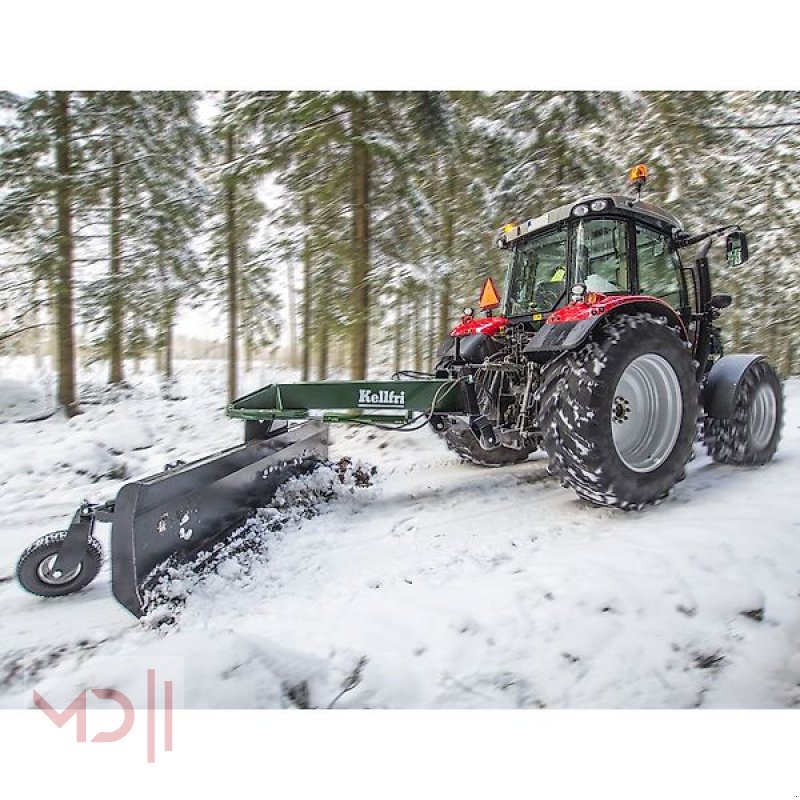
(343, 232)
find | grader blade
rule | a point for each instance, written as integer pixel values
(186, 509)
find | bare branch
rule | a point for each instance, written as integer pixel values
(9, 334)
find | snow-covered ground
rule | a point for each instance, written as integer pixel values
(441, 585)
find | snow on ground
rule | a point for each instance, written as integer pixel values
(441, 585)
(21, 400)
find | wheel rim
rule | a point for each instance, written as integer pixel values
(48, 574)
(646, 413)
(763, 413)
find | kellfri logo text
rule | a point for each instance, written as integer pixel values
(382, 398)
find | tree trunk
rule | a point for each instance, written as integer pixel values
(248, 349)
(115, 236)
(168, 339)
(232, 276)
(449, 248)
(398, 334)
(53, 338)
(359, 276)
(772, 343)
(63, 287)
(768, 316)
(431, 330)
(322, 321)
(416, 332)
(788, 356)
(307, 325)
(40, 338)
(449, 242)
(292, 303)
(736, 333)
(322, 355)
(444, 310)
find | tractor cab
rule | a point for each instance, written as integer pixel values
(611, 245)
(608, 244)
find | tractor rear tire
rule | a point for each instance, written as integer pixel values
(618, 416)
(751, 437)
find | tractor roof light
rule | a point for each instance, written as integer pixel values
(637, 178)
(580, 211)
(599, 205)
(638, 174)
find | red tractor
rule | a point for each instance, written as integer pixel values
(607, 354)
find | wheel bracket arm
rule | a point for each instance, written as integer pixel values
(76, 543)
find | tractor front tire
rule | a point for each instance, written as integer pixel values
(618, 416)
(459, 438)
(751, 436)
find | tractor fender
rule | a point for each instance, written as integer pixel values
(722, 384)
(473, 348)
(571, 326)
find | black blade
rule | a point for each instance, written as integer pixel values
(184, 510)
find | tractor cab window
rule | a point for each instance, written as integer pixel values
(601, 255)
(659, 267)
(538, 273)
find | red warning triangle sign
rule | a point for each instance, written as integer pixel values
(490, 297)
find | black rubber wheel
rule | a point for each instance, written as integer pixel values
(35, 567)
(459, 438)
(751, 437)
(618, 416)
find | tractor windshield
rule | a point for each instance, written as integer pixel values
(593, 252)
(537, 272)
(601, 255)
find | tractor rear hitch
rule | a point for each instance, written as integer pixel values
(482, 428)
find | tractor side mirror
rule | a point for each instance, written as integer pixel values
(736, 251)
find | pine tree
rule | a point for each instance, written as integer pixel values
(240, 163)
(42, 179)
(144, 147)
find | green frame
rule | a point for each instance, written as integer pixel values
(362, 402)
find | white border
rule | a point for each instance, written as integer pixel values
(176, 44)
(454, 45)
(441, 754)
